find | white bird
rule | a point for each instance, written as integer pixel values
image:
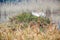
(39, 14)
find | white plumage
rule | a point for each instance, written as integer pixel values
(39, 14)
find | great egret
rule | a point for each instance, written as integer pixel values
(39, 14)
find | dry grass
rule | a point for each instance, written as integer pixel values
(32, 30)
(29, 33)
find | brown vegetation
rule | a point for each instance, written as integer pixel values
(49, 32)
(32, 30)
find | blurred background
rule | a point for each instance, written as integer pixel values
(10, 8)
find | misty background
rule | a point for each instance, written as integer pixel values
(10, 8)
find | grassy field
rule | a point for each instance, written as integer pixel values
(29, 27)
